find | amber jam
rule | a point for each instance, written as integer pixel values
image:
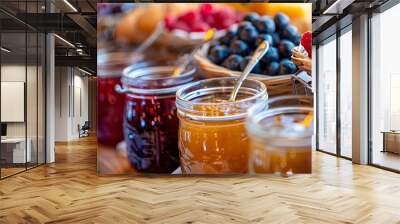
(280, 139)
(150, 120)
(212, 135)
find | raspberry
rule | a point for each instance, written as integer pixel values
(200, 27)
(169, 22)
(206, 9)
(190, 17)
(180, 25)
(306, 42)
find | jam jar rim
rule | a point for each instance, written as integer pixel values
(275, 99)
(185, 105)
(128, 79)
(257, 114)
(110, 70)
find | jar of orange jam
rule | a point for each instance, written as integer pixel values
(212, 135)
(281, 136)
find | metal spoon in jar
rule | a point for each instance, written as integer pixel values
(258, 54)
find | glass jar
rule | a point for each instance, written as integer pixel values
(212, 135)
(281, 136)
(110, 103)
(150, 120)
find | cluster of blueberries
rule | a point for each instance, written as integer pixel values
(234, 49)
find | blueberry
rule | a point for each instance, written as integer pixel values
(218, 54)
(233, 62)
(228, 37)
(248, 34)
(262, 37)
(239, 47)
(285, 48)
(281, 21)
(257, 68)
(276, 39)
(252, 17)
(287, 67)
(271, 55)
(296, 39)
(243, 25)
(291, 33)
(212, 45)
(265, 25)
(272, 69)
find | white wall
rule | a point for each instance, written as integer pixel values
(71, 94)
(33, 126)
(16, 73)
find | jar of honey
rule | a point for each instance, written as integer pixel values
(150, 120)
(212, 135)
(281, 136)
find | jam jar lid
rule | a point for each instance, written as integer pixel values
(155, 80)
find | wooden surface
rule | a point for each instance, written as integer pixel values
(70, 191)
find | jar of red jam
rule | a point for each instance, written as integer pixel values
(110, 103)
(150, 118)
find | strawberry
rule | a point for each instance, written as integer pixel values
(306, 42)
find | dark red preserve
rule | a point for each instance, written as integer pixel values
(151, 123)
(110, 106)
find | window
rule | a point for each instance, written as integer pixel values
(385, 89)
(327, 96)
(346, 92)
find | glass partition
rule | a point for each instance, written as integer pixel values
(346, 92)
(14, 146)
(327, 96)
(22, 77)
(385, 89)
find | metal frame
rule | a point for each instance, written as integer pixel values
(338, 98)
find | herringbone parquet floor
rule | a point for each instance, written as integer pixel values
(69, 191)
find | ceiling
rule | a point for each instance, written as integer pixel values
(75, 21)
(330, 15)
(72, 20)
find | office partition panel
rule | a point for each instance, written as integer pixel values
(15, 149)
(346, 92)
(385, 89)
(22, 77)
(327, 96)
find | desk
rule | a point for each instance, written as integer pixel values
(13, 150)
(391, 141)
